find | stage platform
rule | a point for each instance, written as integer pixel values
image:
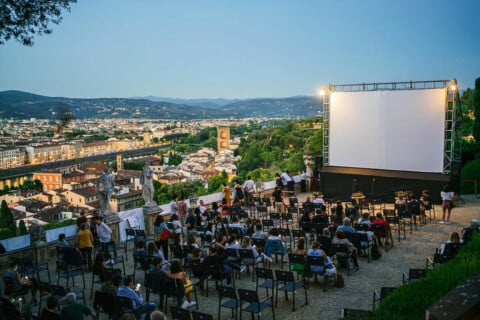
(341, 182)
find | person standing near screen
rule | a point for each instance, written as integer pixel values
(447, 204)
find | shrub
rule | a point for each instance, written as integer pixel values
(470, 171)
(6, 233)
(411, 301)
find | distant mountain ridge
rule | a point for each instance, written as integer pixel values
(25, 105)
(202, 102)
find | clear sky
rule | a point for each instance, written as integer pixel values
(244, 48)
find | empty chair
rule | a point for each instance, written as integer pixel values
(355, 313)
(180, 314)
(196, 315)
(106, 303)
(255, 304)
(379, 296)
(265, 279)
(228, 298)
(29, 267)
(287, 282)
(70, 266)
(413, 275)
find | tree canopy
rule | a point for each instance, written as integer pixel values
(23, 19)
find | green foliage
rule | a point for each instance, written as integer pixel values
(174, 159)
(215, 183)
(96, 137)
(132, 165)
(164, 193)
(476, 113)
(6, 233)
(261, 175)
(59, 224)
(278, 148)
(470, 171)
(22, 20)
(22, 229)
(411, 301)
(32, 185)
(6, 218)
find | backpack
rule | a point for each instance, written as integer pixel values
(340, 282)
(239, 193)
(375, 252)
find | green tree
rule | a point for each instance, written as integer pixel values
(22, 229)
(23, 19)
(215, 183)
(6, 218)
(476, 113)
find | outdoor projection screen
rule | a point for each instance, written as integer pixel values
(390, 130)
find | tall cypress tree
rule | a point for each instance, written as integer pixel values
(6, 218)
(476, 112)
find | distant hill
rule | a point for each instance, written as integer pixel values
(24, 105)
(206, 103)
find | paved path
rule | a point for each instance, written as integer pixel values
(358, 290)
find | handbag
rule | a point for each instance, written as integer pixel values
(165, 235)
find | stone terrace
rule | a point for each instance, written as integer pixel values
(359, 286)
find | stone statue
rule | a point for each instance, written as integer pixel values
(105, 185)
(146, 179)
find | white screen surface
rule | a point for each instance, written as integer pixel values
(389, 130)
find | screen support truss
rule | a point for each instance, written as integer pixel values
(451, 86)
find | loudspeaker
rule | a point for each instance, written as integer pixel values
(318, 162)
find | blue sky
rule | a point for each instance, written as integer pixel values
(244, 48)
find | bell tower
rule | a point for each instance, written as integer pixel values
(223, 138)
(120, 165)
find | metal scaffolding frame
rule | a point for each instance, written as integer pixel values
(451, 97)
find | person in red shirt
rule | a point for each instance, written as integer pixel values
(379, 231)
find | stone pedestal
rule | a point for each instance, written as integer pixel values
(150, 213)
(112, 220)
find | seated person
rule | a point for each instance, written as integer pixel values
(218, 256)
(382, 222)
(365, 219)
(176, 272)
(154, 251)
(62, 240)
(48, 313)
(100, 265)
(259, 233)
(140, 248)
(74, 310)
(129, 290)
(371, 236)
(11, 308)
(352, 251)
(468, 232)
(346, 226)
(317, 199)
(315, 251)
(454, 238)
(259, 257)
(414, 206)
(22, 284)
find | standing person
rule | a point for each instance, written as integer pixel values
(278, 199)
(173, 206)
(85, 244)
(182, 208)
(146, 179)
(238, 192)
(227, 194)
(447, 204)
(104, 234)
(249, 187)
(158, 227)
(287, 180)
(74, 310)
(278, 181)
(426, 203)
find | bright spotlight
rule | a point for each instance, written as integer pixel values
(322, 92)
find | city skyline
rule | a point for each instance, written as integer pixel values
(245, 49)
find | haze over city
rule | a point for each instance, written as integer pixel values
(243, 49)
